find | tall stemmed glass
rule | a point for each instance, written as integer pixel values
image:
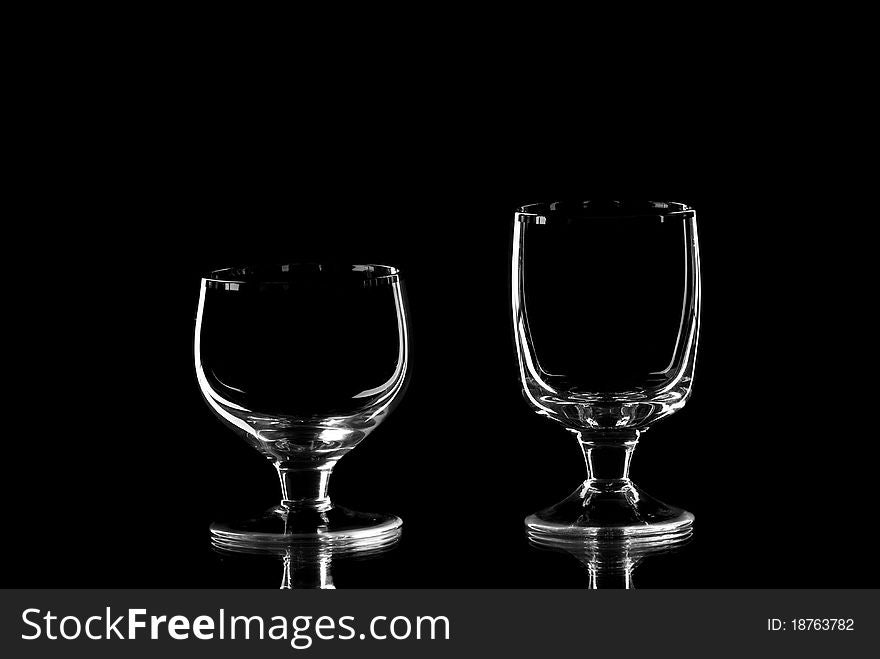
(606, 318)
(303, 361)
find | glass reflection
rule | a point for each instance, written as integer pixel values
(307, 565)
(610, 563)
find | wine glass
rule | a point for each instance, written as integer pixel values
(303, 361)
(606, 318)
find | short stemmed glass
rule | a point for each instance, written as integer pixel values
(606, 318)
(303, 361)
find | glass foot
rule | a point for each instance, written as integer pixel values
(604, 515)
(334, 527)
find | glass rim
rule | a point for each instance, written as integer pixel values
(602, 210)
(282, 273)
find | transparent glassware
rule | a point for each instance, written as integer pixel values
(606, 319)
(303, 361)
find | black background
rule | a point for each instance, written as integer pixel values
(119, 467)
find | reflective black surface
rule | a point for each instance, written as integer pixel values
(121, 467)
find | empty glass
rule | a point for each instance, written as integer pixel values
(606, 317)
(303, 361)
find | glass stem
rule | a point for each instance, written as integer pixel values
(608, 455)
(304, 487)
